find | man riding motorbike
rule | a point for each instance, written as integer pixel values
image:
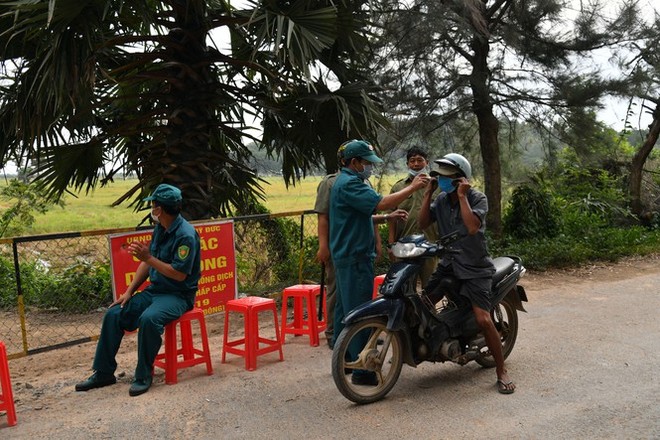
(461, 208)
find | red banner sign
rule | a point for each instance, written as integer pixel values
(218, 283)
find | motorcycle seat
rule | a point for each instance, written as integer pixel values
(503, 267)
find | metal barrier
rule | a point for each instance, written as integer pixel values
(54, 288)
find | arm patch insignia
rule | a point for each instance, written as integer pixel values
(183, 252)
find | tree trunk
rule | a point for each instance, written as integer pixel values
(488, 132)
(638, 161)
(182, 157)
(490, 154)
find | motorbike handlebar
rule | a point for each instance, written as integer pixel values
(448, 239)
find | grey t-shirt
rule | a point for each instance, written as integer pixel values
(322, 204)
(472, 260)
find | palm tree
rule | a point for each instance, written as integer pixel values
(94, 88)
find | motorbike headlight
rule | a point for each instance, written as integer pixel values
(407, 250)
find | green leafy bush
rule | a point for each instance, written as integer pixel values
(596, 244)
(532, 212)
(82, 287)
(570, 215)
(383, 263)
(268, 251)
(26, 200)
(311, 268)
(286, 247)
(35, 281)
(593, 191)
(7, 284)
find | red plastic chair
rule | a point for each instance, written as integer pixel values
(378, 281)
(251, 341)
(303, 295)
(6, 395)
(174, 358)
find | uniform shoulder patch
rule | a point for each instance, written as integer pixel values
(183, 251)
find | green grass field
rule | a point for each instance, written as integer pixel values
(94, 211)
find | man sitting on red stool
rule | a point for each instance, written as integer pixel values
(172, 264)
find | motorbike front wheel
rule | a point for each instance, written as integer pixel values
(382, 354)
(505, 318)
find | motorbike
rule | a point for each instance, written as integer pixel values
(403, 326)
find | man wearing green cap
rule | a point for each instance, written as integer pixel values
(322, 208)
(352, 241)
(172, 263)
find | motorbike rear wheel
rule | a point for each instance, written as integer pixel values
(382, 355)
(505, 318)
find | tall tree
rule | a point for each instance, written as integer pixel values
(641, 63)
(93, 88)
(490, 59)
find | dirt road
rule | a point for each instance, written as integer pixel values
(586, 366)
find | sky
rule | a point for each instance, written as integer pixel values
(614, 112)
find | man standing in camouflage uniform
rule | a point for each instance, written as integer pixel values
(417, 162)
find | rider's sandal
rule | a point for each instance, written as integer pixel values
(503, 387)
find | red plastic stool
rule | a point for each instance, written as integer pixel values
(6, 396)
(170, 361)
(250, 307)
(299, 326)
(378, 280)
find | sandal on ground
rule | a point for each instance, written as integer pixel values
(503, 387)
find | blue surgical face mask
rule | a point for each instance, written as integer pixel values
(446, 184)
(414, 173)
(366, 172)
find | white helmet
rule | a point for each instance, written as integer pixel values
(454, 163)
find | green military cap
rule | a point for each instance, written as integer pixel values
(361, 149)
(165, 194)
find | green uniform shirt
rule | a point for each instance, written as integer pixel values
(413, 205)
(179, 245)
(352, 202)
